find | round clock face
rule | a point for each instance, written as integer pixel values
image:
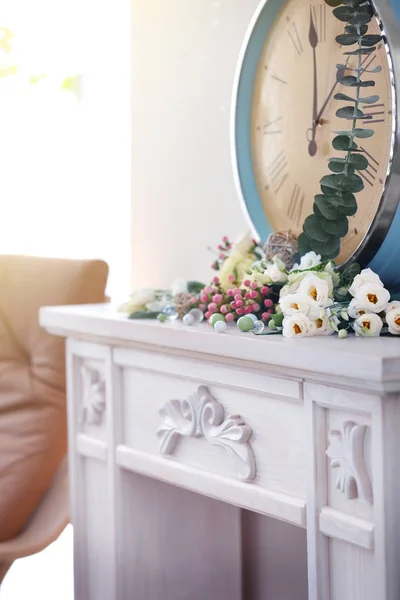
(293, 118)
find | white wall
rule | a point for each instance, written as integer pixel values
(184, 55)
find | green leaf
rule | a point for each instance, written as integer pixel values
(359, 161)
(348, 80)
(336, 166)
(369, 99)
(360, 51)
(349, 273)
(326, 206)
(328, 249)
(343, 142)
(368, 83)
(347, 39)
(353, 29)
(350, 112)
(377, 69)
(344, 13)
(360, 18)
(346, 183)
(341, 96)
(304, 244)
(195, 287)
(363, 133)
(144, 314)
(278, 319)
(313, 229)
(370, 40)
(333, 3)
(338, 228)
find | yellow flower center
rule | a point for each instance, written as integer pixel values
(313, 293)
(319, 323)
(397, 321)
(296, 329)
(367, 324)
(372, 298)
(296, 306)
(361, 312)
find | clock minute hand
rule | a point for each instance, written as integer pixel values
(339, 75)
(313, 39)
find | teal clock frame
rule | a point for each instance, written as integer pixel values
(380, 249)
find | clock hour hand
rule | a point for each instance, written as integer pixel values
(313, 39)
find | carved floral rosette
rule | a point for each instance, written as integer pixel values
(201, 415)
(93, 395)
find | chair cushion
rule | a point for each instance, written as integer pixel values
(33, 438)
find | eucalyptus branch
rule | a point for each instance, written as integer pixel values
(323, 229)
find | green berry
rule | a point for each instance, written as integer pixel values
(161, 317)
(245, 323)
(216, 317)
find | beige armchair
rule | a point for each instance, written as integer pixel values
(33, 440)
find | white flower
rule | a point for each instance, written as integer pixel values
(316, 288)
(244, 244)
(138, 300)
(368, 325)
(295, 303)
(295, 279)
(330, 268)
(372, 296)
(158, 305)
(323, 326)
(366, 276)
(355, 309)
(179, 286)
(276, 271)
(393, 317)
(297, 325)
(308, 261)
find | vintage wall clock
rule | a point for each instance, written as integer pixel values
(284, 117)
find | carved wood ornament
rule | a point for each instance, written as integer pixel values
(202, 415)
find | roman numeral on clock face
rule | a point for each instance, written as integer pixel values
(271, 127)
(369, 175)
(319, 18)
(376, 111)
(295, 207)
(295, 39)
(278, 172)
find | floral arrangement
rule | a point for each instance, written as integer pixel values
(275, 296)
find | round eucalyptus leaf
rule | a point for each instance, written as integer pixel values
(377, 69)
(368, 83)
(343, 142)
(363, 133)
(328, 249)
(348, 80)
(338, 228)
(313, 229)
(359, 161)
(358, 52)
(347, 39)
(341, 96)
(304, 244)
(352, 183)
(344, 13)
(360, 18)
(350, 112)
(360, 30)
(370, 40)
(369, 99)
(327, 206)
(336, 166)
(333, 3)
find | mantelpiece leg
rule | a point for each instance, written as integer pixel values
(353, 498)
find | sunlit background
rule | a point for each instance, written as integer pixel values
(64, 131)
(64, 170)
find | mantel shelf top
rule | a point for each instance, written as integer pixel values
(375, 360)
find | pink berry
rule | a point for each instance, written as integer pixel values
(265, 316)
(220, 247)
(233, 305)
(253, 294)
(202, 307)
(212, 306)
(270, 311)
(268, 302)
(247, 295)
(221, 256)
(215, 280)
(239, 303)
(256, 307)
(247, 282)
(265, 290)
(229, 292)
(237, 291)
(225, 239)
(240, 311)
(248, 310)
(254, 285)
(207, 315)
(208, 289)
(231, 278)
(193, 300)
(204, 297)
(238, 297)
(217, 298)
(224, 309)
(229, 317)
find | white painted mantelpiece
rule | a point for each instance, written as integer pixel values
(304, 432)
